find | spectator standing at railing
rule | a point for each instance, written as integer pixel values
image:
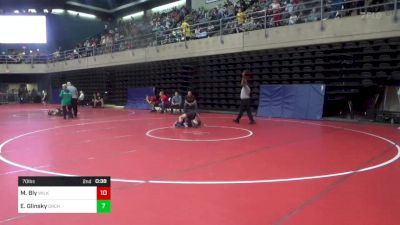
(240, 17)
(313, 16)
(186, 30)
(87, 47)
(240, 20)
(221, 12)
(231, 10)
(93, 47)
(102, 42)
(289, 8)
(75, 53)
(275, 8)
(293, 19)
(336, 8)
(109, 42)
(355, 4)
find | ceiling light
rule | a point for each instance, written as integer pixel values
(57, 11)
(135, 15)
(169, 6)
(86, 15)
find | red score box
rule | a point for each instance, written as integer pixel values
(103, 193)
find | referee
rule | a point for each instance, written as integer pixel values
(245, 100)
(74, 102)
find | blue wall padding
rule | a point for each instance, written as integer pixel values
(300, 101)
(136, 98)
(55, 96)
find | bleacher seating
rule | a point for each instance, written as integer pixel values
(345, 68)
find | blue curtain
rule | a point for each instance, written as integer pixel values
(292, 101)
(136, 97)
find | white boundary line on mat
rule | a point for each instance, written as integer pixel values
(397, 156)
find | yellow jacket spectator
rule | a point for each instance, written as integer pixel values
(241, 17)
(186, 30)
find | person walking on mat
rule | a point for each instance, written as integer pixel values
(74, 101)
(245, 99)
(66, 98)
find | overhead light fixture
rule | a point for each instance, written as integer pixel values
(135, 15)
(168, 6)
(57, 11)
(81, 14)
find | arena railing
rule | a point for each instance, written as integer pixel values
(23, 59)
(6, 98)
(314, 10)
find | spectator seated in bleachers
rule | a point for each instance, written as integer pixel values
(164, 102)
(189, 119)
(153, 102)
(236, 16)
(176, 102)
(97, 100)
(198, 33)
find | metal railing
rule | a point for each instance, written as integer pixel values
(311, 11)
(6, 98)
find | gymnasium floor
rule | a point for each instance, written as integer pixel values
(278, 171)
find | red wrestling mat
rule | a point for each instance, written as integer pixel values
(275, 172)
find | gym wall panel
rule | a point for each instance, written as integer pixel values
(300, 101)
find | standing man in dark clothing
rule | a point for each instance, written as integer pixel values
(190, 102)
(74, 102)
(245, 99)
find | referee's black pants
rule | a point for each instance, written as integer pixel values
(64, 108)
(74, 103)
(245, 105)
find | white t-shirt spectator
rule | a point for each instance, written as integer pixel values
(293, 19)
(275, 6)
(245, 92)
(289, 8)
(81, 96)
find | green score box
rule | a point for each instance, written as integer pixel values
(103, 206)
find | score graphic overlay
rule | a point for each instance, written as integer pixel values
(64, 194)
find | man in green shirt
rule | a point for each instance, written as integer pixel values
(66, 98)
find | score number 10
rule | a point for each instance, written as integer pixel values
(103, 199)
